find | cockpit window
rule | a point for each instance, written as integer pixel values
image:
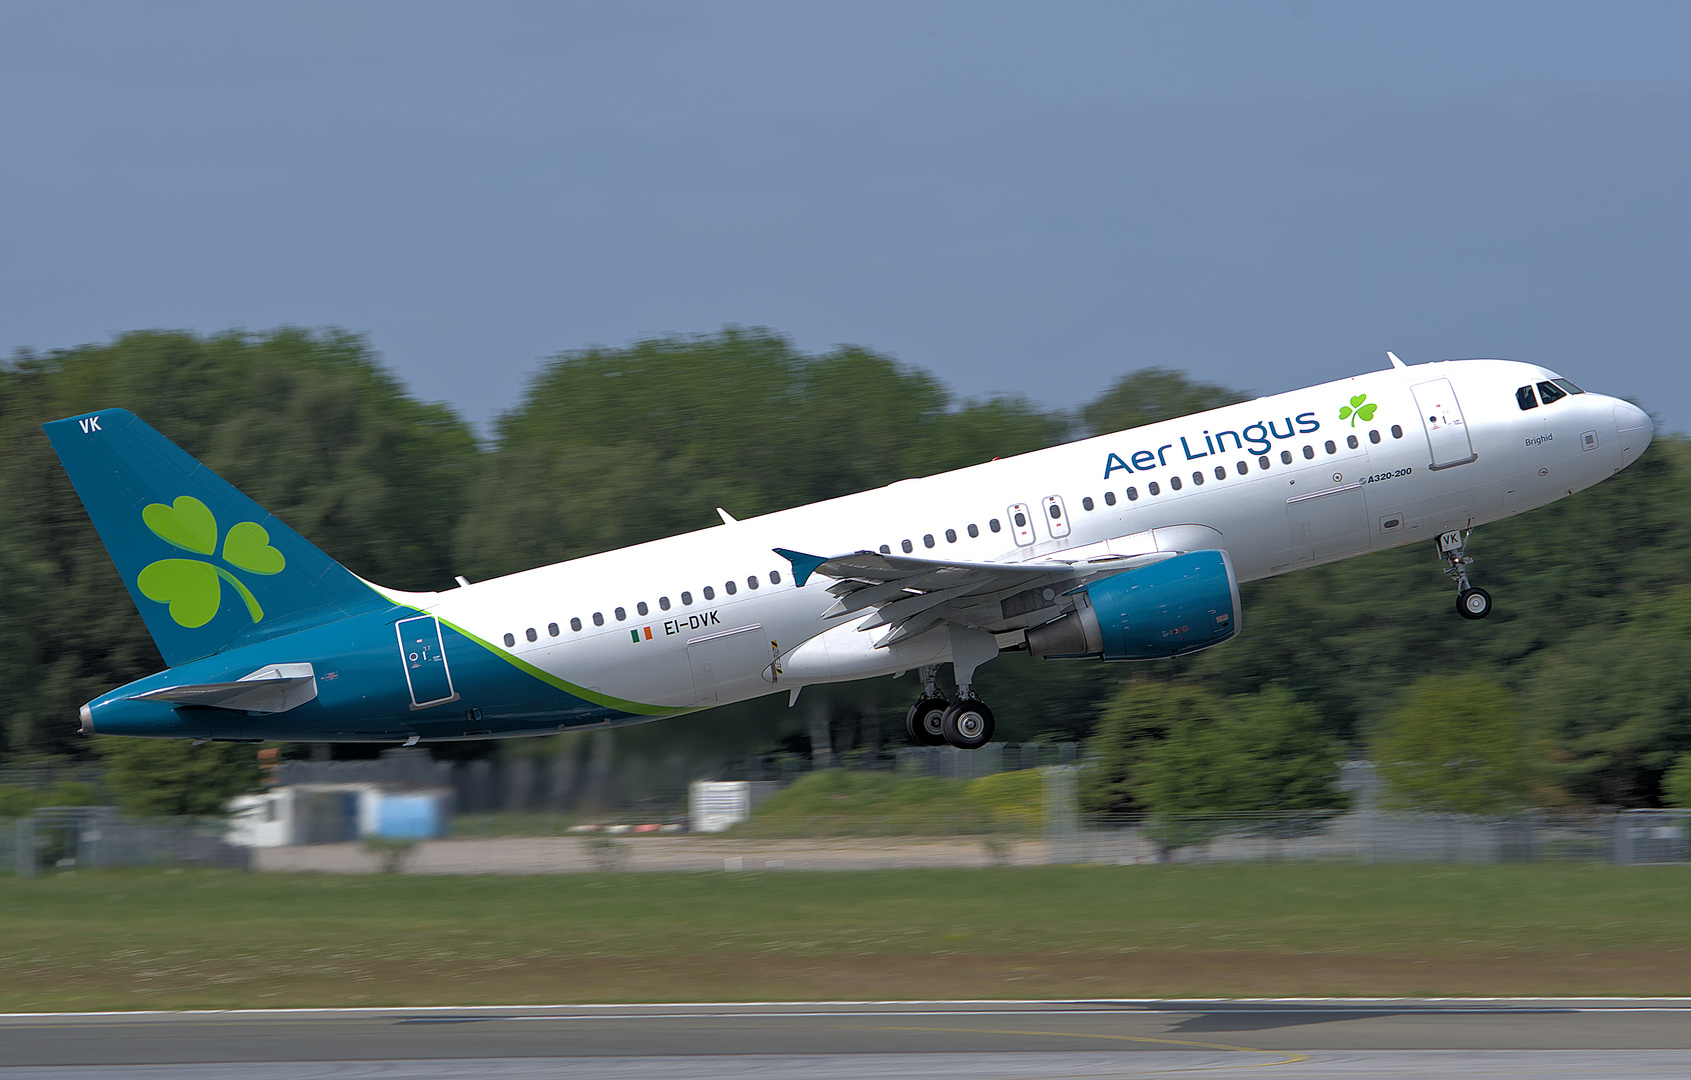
(1551, 392)
(1524, 398)
(1568, 386)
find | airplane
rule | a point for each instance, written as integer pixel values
(1125, 546)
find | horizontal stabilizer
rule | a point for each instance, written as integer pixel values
(273, 689)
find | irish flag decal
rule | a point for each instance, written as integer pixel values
(634, 635)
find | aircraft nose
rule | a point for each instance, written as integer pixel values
(1635, 429)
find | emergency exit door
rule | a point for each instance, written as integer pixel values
(424, 658)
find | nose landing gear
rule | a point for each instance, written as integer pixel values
(1471, 602)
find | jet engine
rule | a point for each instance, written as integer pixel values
(1176, 606)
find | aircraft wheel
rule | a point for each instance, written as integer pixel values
(925, 722)
(1473, 603)
(968, 725)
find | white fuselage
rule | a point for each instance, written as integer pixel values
(698, 619)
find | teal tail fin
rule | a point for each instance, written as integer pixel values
(207, 567)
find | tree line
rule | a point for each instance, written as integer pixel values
(1579, 673)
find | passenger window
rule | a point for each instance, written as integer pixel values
(575, 624)
(687, 598)
(1021, 520)
(1133, 494)
(1374, 436)
(1525, 399)
(1568, 386)
(751, 582)
(552, 628)
(1397, 431)
(1239, 467)
(1174, 483)
(1285, 457)
(1332, 447)
(1262, 463)
(710, 593)
(951, 536)
(1109, 498)
(530, 634)
(641, 607)
(1221, 472)
(993, 525)
(510, 639)
(907, 546)
(1198, 478)
(928, 540)
(731, 587)
(1056, 512)
(663, 603)
(1152, 488)
(1551, 392)
(774, 577)
(974, 530)
(1350, 441)
(622, 614)
(1086, 503)
(598, 618)
(1309, 453)
(885, 550)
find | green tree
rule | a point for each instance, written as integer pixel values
(1456, 745)
(611, 447)
(1143, 715)
(1676, 786)
(1152, 394)
(173, 778)
(1266, 751)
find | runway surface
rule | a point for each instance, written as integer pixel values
(1329, 1039)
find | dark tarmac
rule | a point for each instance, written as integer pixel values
(1633, 1038)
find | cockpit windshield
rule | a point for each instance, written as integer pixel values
(1551, 390)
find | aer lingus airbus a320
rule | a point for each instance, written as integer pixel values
(1127, 546)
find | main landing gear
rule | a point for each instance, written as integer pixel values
(1471, 602)
(966, 723)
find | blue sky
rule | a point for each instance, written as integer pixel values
(1021, 198)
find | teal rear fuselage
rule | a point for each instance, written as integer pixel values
(363, 692)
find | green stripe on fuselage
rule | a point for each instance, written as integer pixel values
(635, 708)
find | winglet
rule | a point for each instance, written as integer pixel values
(803, 565)
(1393, 358)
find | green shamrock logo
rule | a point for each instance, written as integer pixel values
(1356, 409)
(193, 587)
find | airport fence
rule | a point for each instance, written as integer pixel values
(92, 838)
(58, 839)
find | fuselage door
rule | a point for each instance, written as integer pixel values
(424, 658)
(1021, 523)
(1056, 516)
(1441, 416)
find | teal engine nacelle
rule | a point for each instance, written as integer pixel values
(1170, 608)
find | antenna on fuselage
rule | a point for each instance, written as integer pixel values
(1393, 358)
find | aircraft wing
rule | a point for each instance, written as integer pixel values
(910, 596)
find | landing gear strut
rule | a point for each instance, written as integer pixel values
(1471, 602)
(966, 723)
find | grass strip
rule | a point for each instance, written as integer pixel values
(224, 940)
